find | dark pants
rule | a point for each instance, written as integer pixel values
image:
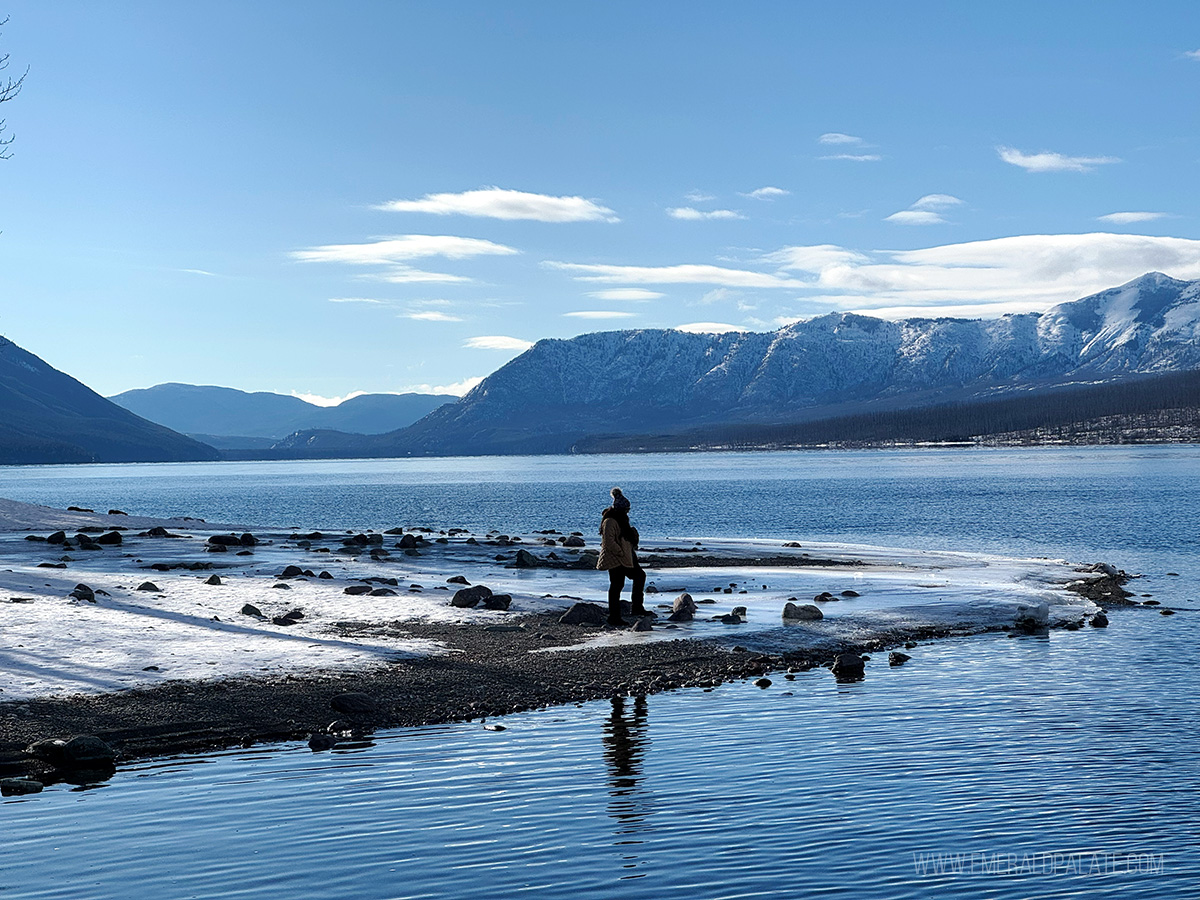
(616, 582)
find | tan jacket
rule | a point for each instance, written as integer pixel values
(615, 551)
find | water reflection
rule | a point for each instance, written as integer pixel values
(625, 745)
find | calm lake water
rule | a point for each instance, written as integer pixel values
(986, 767)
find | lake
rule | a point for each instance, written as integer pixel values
(986, 767)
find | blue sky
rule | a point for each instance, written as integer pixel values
(323, 199)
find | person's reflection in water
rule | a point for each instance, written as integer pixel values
(625, 744)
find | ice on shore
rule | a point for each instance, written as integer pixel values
(127, 638)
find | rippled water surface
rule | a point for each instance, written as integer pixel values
(985, 767)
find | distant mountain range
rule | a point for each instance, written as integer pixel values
(47, 416)
(229, 418)
(565, 394)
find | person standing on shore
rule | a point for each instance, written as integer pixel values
(618, 554)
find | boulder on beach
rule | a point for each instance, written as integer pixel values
(583, 613)
(457, 579)
(291, 572)
(59, 537)
(642, 623)
(250, 609)
(83, 751)
(111, 539)
(848, 667)
(150, 587)
(225, 540)
(806, 612)
(526, 560)
(83, 592)
(355, 589)
(497, 601)
(1099, 620)
(1032, 616)
(407, 542)
(213, 579)
(470, 597)
(896, 658)
(574, 541)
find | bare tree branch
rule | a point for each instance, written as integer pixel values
(9, 88)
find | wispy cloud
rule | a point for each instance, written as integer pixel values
(458, 389)
(836, 137)
(698, 197)
(1126, 218)
(403, 247)
(1013, 274)
(1193, 54)
(499, 203)
(682, 274)
(694, 215)
(430, 315)
(496, 342)
(356, 300)
(708, 328)
(409, 275)
(767, 193)
(626, 294)
(855, 157)
(925, 211)
(599, 314)
(1053, 162)
(203, 272)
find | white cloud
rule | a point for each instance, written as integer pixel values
(626, 294)
(1126, 218)
(767, 193)
(1013, 274)
(457, 389)
(403, 247)
(497, 342)
(318, 400)
(1192, 54)
(355, 300)
(682, 274)
(203, 272)
(409, 275)
(698, 197)
(498, 203)
(936, 201)
(600, 314)
(716, 295)
(856, 157)
(430, 315)
(1053, 162)
(708, 328)
(687, 212)
(836, 137)
(915, 217)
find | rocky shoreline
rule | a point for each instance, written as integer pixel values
(489, 672)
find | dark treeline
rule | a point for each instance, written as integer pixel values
(946, 423)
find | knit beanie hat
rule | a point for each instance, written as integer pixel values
(620, 501)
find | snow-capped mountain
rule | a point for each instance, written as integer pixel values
(664, 380)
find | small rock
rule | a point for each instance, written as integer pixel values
(251, 610)
(324, 575)
(762, 682)
(497, 601)
(1166, 612)
(111, 538)
(117, 512)
(574, 541)
(17, 787)
(729, 619)
(494, 728)
(213, 579)
(848, 667)
(824, 597)
(896, 658)
(248, 540)
(356, 589)
(383, 592)
(319, 742)
(526, 560)
(354, 704)
(804, 612)
(225, 540)
(81, 751)
(291, 572)
(457, 579)
(282, 621)
(469, 597)
(150, 668)
(149, 586)
(740, 612)
(59, 537)
(642, 624)
(83, 592)
(851, 594)
(407, 542)
(1099, 620)
(583, 613)
(282, 587)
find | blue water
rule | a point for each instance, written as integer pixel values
(1030, 767)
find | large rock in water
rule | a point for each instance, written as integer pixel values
(683, 609)
(801, 613)
(584, 614)
(84, 751)
(848, 667)
(1032, 616)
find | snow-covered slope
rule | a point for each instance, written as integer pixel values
(661, 380)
